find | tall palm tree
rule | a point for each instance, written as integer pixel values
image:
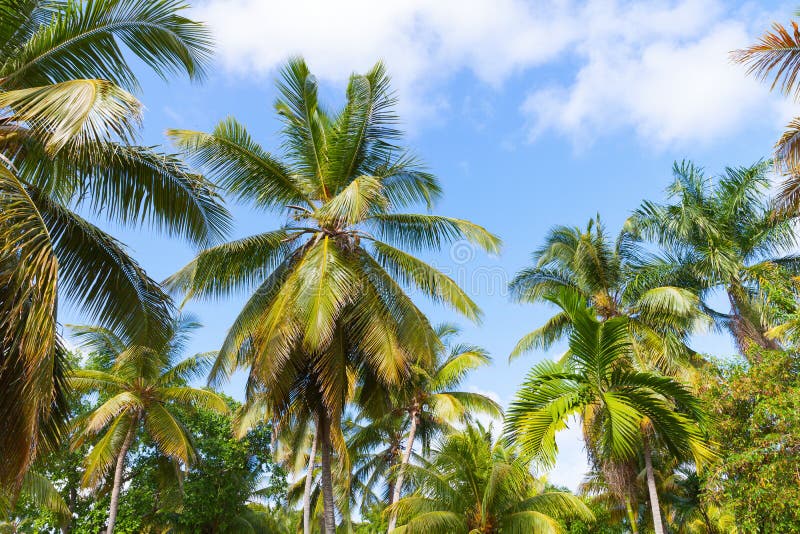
(67, 121)
(720, 236)
(430, 401)
(140, 388)
(660, 317)
(623, 411)
(474, 484)
(776, 55)
(328, 303)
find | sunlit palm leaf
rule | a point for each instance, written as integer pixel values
(74, 112)
(82, 40)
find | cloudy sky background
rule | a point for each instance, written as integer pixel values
(532, 113)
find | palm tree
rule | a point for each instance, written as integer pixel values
(474, 484)
(328, 302)
(67, 121)
(140, 388)
(623, 411)
(430, 400)
(776, 55)
(721, 236)
(660, 317)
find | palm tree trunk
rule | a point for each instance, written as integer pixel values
(309, 481)
(631, 516)
(744, 329)
(658, 525)
(118, 471)
(398, 484)
(327, 480)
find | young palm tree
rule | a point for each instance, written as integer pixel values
(67, 122)
(660, 318)
(776, 55)
(430, 399)
(622, 410)
(328, 303)
(473, 484)
(139, 387)
(721, 236)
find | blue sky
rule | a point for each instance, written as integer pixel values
(531, 114)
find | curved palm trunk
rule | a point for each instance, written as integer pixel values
(329, 517)
(631, 516)
(658, 524)
(309, 482)
(398, 484)
(118, 471)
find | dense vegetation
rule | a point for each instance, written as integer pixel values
(355, 418)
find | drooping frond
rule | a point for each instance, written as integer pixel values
(28, 296)
(235, 266)
(417, 232)
(776, 56)
(74, 112)
(426, 278)
(82, 39)
(98, 274)
(133, 185)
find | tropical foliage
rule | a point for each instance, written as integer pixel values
(327, 303)
(622, 410)
(776, 56)
(720, 235)
(604, 273)
(140, 387)
(67, 127)
(359, 416)
(474, 484)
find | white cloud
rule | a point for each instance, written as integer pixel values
(670, 89)
(658, 67)
(422, 42)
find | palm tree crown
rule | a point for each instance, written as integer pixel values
(474, 484)
(660, 317)
(139, 387)
(619, 407)
(724, 236)
(776, 55)
(67, 122)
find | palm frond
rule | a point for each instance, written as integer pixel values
(75, 112)
(776, 55)
(426, 278)
(82, 39)
(29, 376)
(98, 274)
(241, 166)
(432, 231)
